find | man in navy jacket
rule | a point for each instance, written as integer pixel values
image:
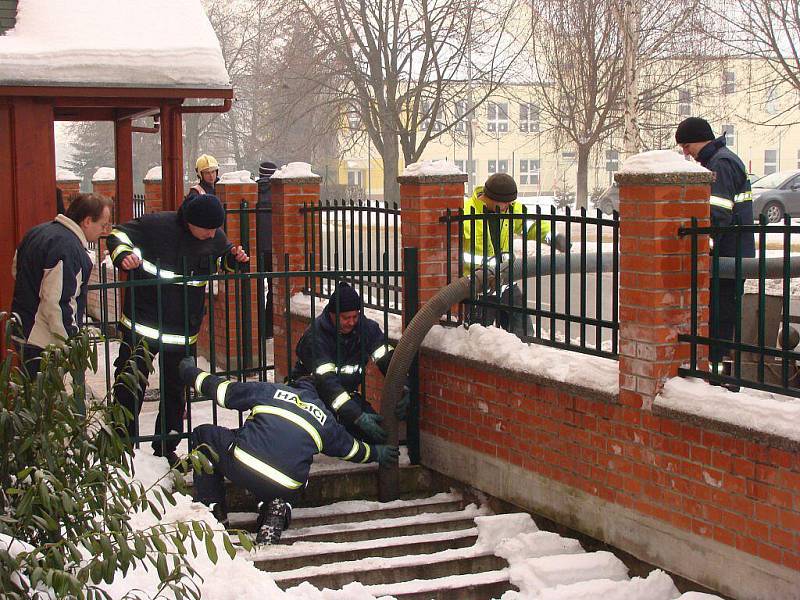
(271, 454)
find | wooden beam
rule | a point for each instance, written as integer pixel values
(116, 92)
(171, 156)
(123, 150)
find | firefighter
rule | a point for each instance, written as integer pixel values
(499, 195)
(156, 247)
(335, 350)
(207, 169)
(271, 454)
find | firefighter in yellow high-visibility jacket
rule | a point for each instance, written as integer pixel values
(492, 243)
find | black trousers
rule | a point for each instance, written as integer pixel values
(173, 394)
(722, 321)
(514, 322)
(210, 487)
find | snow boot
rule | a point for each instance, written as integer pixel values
(273, 517)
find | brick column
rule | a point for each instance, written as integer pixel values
(104, 186)
(655, 278)
(288, 197)
(70, 186)
(423, 199)
(153, 199)
(226, 341)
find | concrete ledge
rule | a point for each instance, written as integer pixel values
(681, 178)
(700, 559)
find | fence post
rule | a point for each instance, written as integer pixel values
(423, 199)
(655, 266)
(288, 196)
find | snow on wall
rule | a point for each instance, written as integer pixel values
(65, 175)
(147, 43)
(432, 167)
(294, 170)
(660, 161)
(236, 177)
(105, 174)
(154, 174)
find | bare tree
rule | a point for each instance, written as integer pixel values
(579, 62)
(401, 71)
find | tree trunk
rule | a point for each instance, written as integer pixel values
(391, 158)
(582, 187)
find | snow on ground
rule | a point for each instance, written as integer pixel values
(112, 42)
(752, 409)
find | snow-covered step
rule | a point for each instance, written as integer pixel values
(373, 571)
(312, 554)
(385, 528)
(358, 511)
(475, 586)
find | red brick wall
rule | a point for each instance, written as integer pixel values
(153, 196)
(722, 486)
(69, 189)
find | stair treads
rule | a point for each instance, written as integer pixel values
(445, 588)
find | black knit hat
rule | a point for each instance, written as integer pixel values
(693, 129)
(204, 210)
(348, 299)
(266, 169)
(500, 187)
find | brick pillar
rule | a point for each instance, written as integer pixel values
(70, 187)
(423, 199)
(153, 194)
(226, 340)
(106, 187)
(288, 197)
(655, 278)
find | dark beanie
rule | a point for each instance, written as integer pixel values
(693, 129)
(500, 187)
(266, 169)
(204, 210)
(347, 297)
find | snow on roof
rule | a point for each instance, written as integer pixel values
(660, 161)
(114, 43)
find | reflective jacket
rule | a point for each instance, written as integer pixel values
(338, 364)
(286, 427)
(731, 198)
(474, 230)
(165, 237)
(202, 187)
(51, 268)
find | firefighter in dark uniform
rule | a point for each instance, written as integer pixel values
(271, 454)
(207, 169)
(335, 350)
(731, 204)
(156, 247)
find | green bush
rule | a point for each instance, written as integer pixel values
(66, 491)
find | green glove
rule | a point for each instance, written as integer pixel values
(368, 423)
(387, 455)
(401, 407)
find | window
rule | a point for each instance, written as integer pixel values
(684, 103)
(426, 116)
(353, 120)
(770, 162)
(528, 172)
(772, 103)
(728, 82)
(730, 134)
(355, 178)
(569, 156)
(462, 166)
(498, 166)
(461, 111)
(529, 117)
(612, 161)
(497, 116)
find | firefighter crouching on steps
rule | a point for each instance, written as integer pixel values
(154, 247)
(271, 454)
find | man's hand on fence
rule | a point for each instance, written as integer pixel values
(368, 423)
(401, 407)
(239, 254)
(130, 262)
(387, 456)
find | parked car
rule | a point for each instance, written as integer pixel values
(608, 201)
(777, 194)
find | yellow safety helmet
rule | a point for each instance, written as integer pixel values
(206, 162)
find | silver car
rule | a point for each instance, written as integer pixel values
(777, 194)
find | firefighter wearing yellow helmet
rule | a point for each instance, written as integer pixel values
(207, 169)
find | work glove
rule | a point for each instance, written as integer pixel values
(368, 423)
(560, 242)
(387, 456)
(401, 407)
(187, 370)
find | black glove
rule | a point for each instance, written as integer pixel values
(387, 455)
(401, 407)
(560, 242)
(187, 370)
(368, 423)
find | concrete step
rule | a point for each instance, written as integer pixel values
(385, 528)
(301, 554)
(357, 511)
(475, 586)
(375, 571)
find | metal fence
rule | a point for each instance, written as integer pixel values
(357, 237)
(762, 350)
(575, 309)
